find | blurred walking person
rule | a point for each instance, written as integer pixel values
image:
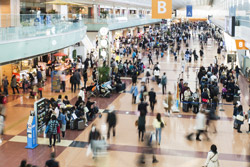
(152, 99)
(2, 118)
(111, 120)
(13, 84)
(169, 102)
(141, 127)
(200, 126)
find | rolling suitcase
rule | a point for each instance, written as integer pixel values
(3, 99)
(123, 86)
(81, 125)
(185, 107)
(72, 125)
(228, 98)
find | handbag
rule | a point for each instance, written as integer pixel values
(204, 100)
(240, 118)
(47, 129)
(40, 89)
(145, 93)
(162, 125)
(136, 123)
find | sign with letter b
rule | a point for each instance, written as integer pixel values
(161, 9)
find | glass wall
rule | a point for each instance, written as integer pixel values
(32, 6)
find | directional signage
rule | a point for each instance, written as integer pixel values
(240, 45)
(161, 9)
(189, 10)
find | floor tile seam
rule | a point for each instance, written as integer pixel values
(172, 152)
(174, 115)
(13, 139)
(157, 150)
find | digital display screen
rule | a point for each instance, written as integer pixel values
(230, 25)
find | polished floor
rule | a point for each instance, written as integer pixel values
(124, 148)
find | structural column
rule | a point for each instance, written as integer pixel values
(10, 11)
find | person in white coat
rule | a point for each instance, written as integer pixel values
(212, 157)
(201, 124)
(157, 75)
(183, 63)
(82, 94)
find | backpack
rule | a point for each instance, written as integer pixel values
(164, 80)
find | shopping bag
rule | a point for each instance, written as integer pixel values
(137, 100)
(165, 105)
(47, 129)
(81, 84)
(89, 151)
(152, 137)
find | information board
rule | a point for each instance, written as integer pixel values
(40, 112)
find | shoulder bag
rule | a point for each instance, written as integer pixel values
(240, 118)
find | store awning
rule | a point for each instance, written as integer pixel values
(60, 54)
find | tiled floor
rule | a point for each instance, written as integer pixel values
(124, 149)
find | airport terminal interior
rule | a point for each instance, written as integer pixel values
(124, 83)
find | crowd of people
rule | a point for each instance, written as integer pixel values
(153, 45)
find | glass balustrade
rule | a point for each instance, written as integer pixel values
(39, 28)
(16, 27)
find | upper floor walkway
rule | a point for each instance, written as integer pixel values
(23, 36)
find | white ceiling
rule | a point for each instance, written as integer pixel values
(177, 4)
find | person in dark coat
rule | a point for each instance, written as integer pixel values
(85, 77)
(77, 77)
(142, 107)
(111, 120)
(73, 82)
(94, 134)
(152, 99)
(141, 127)
(134, 78)
(13, 84)
(239, 122)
